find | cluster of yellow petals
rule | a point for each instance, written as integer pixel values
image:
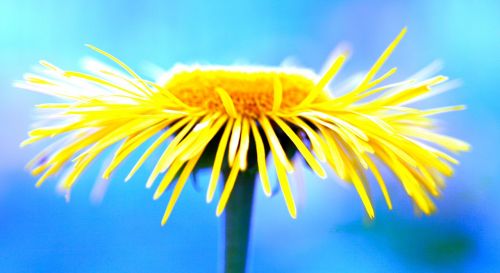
(352, 133)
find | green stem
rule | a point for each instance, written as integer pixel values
(238, 214)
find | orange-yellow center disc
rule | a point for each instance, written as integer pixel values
(252, 93)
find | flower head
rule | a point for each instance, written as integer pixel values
(231, 118)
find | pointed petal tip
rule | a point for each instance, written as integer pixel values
(323, 175)
(466, 146)
(165, 218)
(26, 142)
(218, 212)
(150, 182)
(371, 214)
(208, 199)
(156, 196)
(268, 193)
(129, 176)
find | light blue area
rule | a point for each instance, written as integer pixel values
(40, 232)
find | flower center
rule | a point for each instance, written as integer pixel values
(252, 93)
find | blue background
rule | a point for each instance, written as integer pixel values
(40, 232)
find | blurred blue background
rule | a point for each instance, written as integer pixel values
(40, 232)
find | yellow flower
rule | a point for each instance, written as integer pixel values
(232, 117)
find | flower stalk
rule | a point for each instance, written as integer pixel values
(237, 224)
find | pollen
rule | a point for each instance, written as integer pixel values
(252, 93)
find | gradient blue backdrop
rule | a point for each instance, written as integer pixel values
(40, 232)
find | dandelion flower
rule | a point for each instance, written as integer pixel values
(233, 119)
